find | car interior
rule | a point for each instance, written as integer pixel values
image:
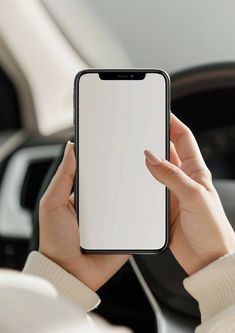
(42, 47)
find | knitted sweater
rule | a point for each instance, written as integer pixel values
(46, 299)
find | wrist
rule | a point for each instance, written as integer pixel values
(81, 269)
(69, 265)
(78, 268)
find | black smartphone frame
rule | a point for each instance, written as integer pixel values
(123, 74)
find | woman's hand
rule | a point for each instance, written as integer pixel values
(59, 232)
(200, 230)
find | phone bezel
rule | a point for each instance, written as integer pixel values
(167, 149)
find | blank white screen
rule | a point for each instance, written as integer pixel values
(121, 206)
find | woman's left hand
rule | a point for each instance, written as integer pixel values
(59, 231)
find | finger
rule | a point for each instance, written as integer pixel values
(59, 190)
(174, 157)
(184, 141)
(171, 176)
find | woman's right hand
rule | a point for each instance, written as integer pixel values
(200, 230)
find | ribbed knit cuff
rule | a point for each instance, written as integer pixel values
(213, 286)
(66, 284)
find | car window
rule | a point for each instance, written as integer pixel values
(150, 33)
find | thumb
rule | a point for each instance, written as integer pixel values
(171, 176)
(59, 190)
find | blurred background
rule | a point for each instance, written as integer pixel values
(43, 44)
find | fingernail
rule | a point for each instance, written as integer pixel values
(67, 147)
(152, 159)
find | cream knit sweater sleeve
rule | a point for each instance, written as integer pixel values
(66, 284)
(47, 299)
(214, 289)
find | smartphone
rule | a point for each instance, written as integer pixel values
(119, 113)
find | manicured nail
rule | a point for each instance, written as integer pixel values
(67, 147)
(152, 159)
